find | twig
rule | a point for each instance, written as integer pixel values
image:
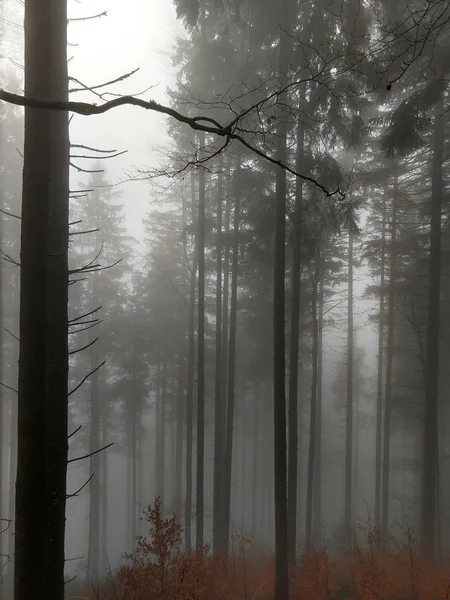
(86, 377)
(91, 453)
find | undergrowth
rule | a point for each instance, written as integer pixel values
(370, 570)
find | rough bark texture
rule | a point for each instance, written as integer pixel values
(43, 361)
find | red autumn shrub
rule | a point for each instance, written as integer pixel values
(370, 570)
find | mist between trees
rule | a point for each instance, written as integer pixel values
(250, 401)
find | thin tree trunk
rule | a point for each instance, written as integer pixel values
(430, 479)
(94, 468)
(349, 404)
(313, 412)
(134, 458)
(389, 365)
(220, 409)
(255, 463)
(317, 512)
(231, 366)
(162, 436)
(201, 356)
(190, 390)
(104, 468)
(179, 438)
(294, 355)
(378, 447)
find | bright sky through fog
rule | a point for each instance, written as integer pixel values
(135, 33)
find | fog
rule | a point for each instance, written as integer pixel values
(227, 355)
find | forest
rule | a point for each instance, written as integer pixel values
(239, 393)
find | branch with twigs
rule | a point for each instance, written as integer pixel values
(198, 123)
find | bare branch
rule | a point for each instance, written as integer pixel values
(86, 377)
(91, 453)
(204, 124)
(88, 314)
(86, 483)
(74, 432)
(8, 387)
(84, 347)
(9, 214)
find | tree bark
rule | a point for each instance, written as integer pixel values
(43, 361)
(430, 476)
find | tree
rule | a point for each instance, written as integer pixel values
(43, 361)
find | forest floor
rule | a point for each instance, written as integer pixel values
(369, 570)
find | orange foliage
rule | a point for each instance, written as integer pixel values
(160, 570)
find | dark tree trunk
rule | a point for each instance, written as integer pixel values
(94, 467)
(231, 367)
(349, 404)
(279, 356)
(179, 438)
(380, 373)
(313, 412)
(294, 355)
(134, 458)
(220, 409)
(317, 512)
(43, 361)
(201, 355)
(190, 390)
(430, 483)
(255, 464)
(389, 366)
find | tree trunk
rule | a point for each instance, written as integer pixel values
(294, 354)
(190, 391)
(430, 484)
(317, 512)
(380, 374)
(389, 365)
(231, 367)
(104, 469)
(279, 356)
(43, 361)
(313, 413)
(220, 409)
(179, 438)
(94, 468)
(255, 463)
(349, 404)
(201, 355)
